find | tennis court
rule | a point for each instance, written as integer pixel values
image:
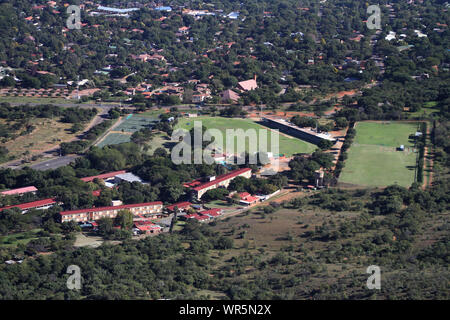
(133, 123)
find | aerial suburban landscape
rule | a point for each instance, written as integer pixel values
(224, 150)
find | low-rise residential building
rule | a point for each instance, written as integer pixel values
(199, 188)
(181, 206)
(229, 96)
(247, 199)
(148, 208)
(103, 176)
(38, 205)
(19, 191)
(212, 213)
(248, 85)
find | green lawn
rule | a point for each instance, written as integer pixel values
(287, 145)
(17, 238)
(150, 113)
(373, 159)
(428, 110)
(220, 204)
(388, 133)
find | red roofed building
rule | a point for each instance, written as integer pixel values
(199, 188)
(212, 212)
(39, 205)
(153, 208)
(19, 191)
(180, 205)
(248, 85)
(202, 218)
(247, 198)
(191, 216)
(147, 227)
(103, 176)
(229, 96)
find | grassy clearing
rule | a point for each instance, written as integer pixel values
(275, 231)
(287, 145)
(150, 113)
(428, 109)
(220, 204)
(377, 166)
(389, 133)
(47, 134)
(373, 159)
(19, 238)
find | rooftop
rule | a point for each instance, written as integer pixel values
(103, 176)
(30, 205)
(308, 131)
(125, 206)
(180, 205)
(19, 191)
(248, 85)
(220, 178)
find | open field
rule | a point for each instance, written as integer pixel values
(19, 238)
(297, 251)
(388, 133)
(287, 145)
(373, 159)
(428, 110)
(47, 134)
(151, 113)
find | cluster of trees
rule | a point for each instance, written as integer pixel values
(49, 111)
(351, 133)
(77, 146)
(258, 185)
(303, 168)
(420, 144)
(153, 268)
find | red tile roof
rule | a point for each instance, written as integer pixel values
(244, 195)
(103, 176)
(248, 85)
(148, 227)
(125, 206)
(250, 199)
(221, 178)
(189, 216)
(19, 190)
(30, 205)
(201, 218)
(212, 212)
(180, 205)
(230, 95)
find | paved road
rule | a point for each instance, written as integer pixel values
(72, 105)
(54, 163)
(107, 106)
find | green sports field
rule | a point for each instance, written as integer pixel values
(373, 159)
(287, 145)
